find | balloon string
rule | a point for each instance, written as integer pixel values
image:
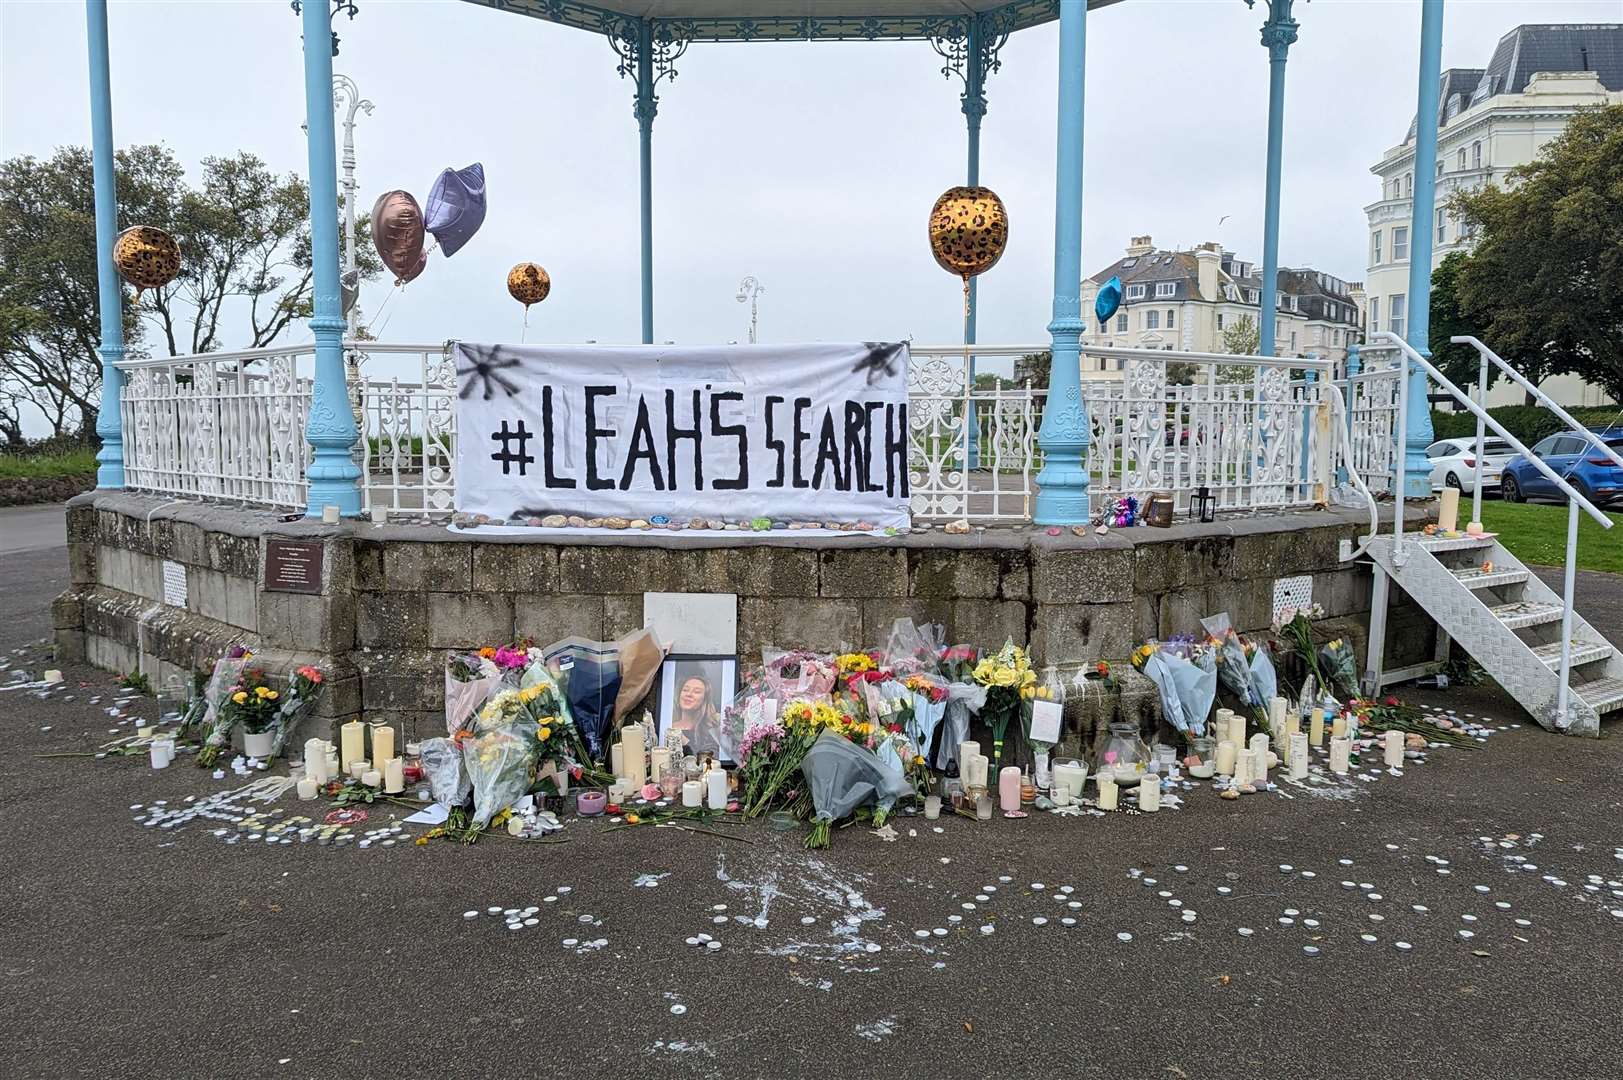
(399, 287)
(969, 379)
(525, 329)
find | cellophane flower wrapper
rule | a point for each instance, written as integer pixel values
(501, 753)
(798, 675)
(1187, 684)
(470, 679)
(589, 673)
(217, 723)
(843, 776)
(912, 649)
(1246, 676)
(447, 772)
(963, 703)
(1340, 666)
(296, 702)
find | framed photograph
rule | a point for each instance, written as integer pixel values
(693, 691)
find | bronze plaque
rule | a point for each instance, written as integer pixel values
(292, 566)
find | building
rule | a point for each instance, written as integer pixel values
(1185, 300)
(1490, 120)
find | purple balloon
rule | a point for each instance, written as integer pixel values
(456, 207)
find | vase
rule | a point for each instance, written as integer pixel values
(257, 744)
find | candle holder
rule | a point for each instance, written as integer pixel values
(983, 807)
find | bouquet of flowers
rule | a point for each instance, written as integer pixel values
(798, 674)
(802, 722)
(1294, 627)
(958, 663)
(501, 749)
(929, 706)
(912, 649)
(1185, 673)
(855, 668)
(302, 687)
(842, 777)
(1339, 667)
(1243, 668)
(470, 678)
(1006, 676)
(249, 703)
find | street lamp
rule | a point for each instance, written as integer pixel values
(750, 289)
(347, 98)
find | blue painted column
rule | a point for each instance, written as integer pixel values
(109, 290)
(974, 106)
(330, 431)
(1416, 468)
(1278, 35)
(1062, 496)
(646, 107)
(1354, 365)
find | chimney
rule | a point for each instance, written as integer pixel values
(1140, 245)
(1207, 258)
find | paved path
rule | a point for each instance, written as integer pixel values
(32, 528)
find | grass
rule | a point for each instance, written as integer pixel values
(1537, 533)
(39, 466)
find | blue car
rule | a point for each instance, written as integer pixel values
(1597, 477)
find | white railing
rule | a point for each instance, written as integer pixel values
(230, 426)
(1372, 415)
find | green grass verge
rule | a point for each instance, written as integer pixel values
(1537, 533)
(26, 466)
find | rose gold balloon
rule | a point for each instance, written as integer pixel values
(397, 230)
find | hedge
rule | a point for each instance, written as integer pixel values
(1529, 423)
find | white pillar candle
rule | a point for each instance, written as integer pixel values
(1223, 718)
(967, 751)
(315, 761)
(1149, 793)
(1448, 510)
(382, 745)
(1393, 742)
(633, 757)
(716, 788)
(1259, 759)
(1298, 758)
(617, 760)
(1227, 751)
(659, 759)
(352, 744)
(308, 789)
(1244, 767)
(52, 676)
(1315, 727)
(1008, 789)
(1107, 791)
(372, 778)
(1276, 712)
(692, 793)
(156, 756)
(1338, 726)
(394, 775)
(329, 514)
(1340, 755)
(1070, 776)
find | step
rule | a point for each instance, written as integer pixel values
(1453, 543)
(1602, 695)
(1520, 613)
(1474, 577)
(1583, 652)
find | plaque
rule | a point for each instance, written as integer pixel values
(292, 565)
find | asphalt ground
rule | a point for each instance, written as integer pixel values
(134, 951)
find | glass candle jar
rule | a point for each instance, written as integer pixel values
(1125, 757)
(1203, 747)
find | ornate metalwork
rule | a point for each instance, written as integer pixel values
(1279, 32)
(665, 42)
(339, 7)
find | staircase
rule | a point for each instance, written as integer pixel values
(1510, 623)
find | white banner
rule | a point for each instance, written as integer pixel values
(787, 432)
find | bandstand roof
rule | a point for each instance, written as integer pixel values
(791, 20)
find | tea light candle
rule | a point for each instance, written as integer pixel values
(333, 771)
(372, 778)
(1298, 758)
(1008, 789)
(617, 760)
(157, 757)
(308, 789)
(358, 768)
(590, 803)
(394, 775)
(979, 768)
(1448, 510)
(1392, 741)
(1227, 751)
(1315, 727)
(716, 788)
(351, 743)
(329, 514)
(1149, 793)
(382, 745)
(692, 793)
(932, 807)
(1107, 792)
(1340, 755)
(1259, 759)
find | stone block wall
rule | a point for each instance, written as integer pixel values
(394, 598)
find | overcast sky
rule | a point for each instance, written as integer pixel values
(810, 165)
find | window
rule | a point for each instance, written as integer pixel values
(1395, 305)
(1408, 183)
(1375, 247)
(1135, 292)
(1172, 318)
(1476, 154)
(1230, 293)
(1441, 449)
(1546, 447)
(1152, 320)
(1128, 264)
(1121, 323)
(1570, 444)
(1164, 289)
(1293, 341)
(1439, 170)
(1400, 243)
(1220, 320)
(1375, 313)
(1251, 296)
(1318, 335)
(1442, 226)
(1462, 157)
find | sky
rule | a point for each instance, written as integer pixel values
(812, 166)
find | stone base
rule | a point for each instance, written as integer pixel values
(394, 598)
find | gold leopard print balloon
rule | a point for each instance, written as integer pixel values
(528, 284)
(148, 257)
(968, 230)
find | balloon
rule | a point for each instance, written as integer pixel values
(1108, 300)
(528, 284)
(456, 207)
(397, 230)
(968, 230)
(148, 257)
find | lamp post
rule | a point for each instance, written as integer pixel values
(347, 99)
(751, 289)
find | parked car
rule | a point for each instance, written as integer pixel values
(1597, 477)
(1453, 463)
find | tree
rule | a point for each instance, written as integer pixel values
(1033, 368)
(1240, 338)
(1458, 362)
(1544, 283)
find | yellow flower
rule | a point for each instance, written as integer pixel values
(262, 691)
(545, 733)
(240, 696)
(530, 693)
(272, 695)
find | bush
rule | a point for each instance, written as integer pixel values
(1529, 423)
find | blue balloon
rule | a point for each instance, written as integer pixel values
(456, 207)
(1108, 301)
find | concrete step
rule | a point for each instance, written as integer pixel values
(1473, 578)
(1583, 652)
(1602, 695)
(1520, 613)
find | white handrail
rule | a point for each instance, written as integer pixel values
(1544, 399)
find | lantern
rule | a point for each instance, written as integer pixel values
(1205, 505)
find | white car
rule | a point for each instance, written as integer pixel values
(1453, 463)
